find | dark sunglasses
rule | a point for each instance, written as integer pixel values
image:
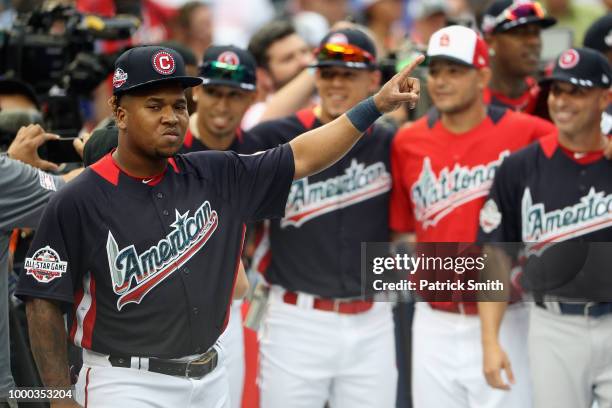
(521, 10)
(344, 53)
(221, 70)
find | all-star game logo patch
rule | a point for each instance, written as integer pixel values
(490, 217)
(119, 78)
(45, 265)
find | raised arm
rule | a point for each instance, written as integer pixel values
(320, 148)
(290, 98)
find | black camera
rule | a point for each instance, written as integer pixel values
(53, 50)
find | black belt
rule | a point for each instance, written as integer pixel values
(582, 309)
(193, 369)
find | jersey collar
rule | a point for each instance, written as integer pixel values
(550, 145)
(495, 113)
(108, 169)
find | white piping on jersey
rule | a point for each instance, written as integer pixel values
(540, 229)
(82, 310)
(134, 275)
(434, 197)
(358, 183)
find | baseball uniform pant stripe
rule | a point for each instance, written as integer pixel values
(86, 386)
(447, 360)
(571, 359)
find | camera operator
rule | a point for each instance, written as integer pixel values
(19, 107)
(25, 192)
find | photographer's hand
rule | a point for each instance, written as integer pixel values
(25, 147)
(79, 143)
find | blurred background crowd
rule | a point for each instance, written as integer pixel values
(88, 46)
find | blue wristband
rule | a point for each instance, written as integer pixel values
(364, 114)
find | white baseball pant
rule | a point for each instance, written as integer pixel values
(101, 385)
(447, 360)
(232, 343)
(571, 359)
(309, 357)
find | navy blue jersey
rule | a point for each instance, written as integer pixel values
(243, 143)
(545, 194)
(150, 270)
(316, 247)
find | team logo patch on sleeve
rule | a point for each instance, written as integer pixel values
(45, 265)
(46, 181)
(490, 217)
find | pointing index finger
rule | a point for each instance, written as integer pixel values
(404, 73)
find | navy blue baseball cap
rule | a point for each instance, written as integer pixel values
(504, 15)
(583, 67)
(349, 47)
(599, 34)
(229, 66)
(148, 65)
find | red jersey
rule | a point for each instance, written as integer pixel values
(527, 102)
(441, 179)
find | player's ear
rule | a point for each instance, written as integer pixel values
(120, 117)
(606, 99)
(490, 40)
(196, 93)
(251, 96)
(484, 77)
(264, 80)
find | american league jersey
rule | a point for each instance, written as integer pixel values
(148, 268)
(545, 194)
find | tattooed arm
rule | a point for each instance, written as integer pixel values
(48, 342)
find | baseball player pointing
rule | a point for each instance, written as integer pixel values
(144, 246)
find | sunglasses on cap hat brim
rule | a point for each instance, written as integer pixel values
(521, 14)
(221, 73)
(344, 55)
